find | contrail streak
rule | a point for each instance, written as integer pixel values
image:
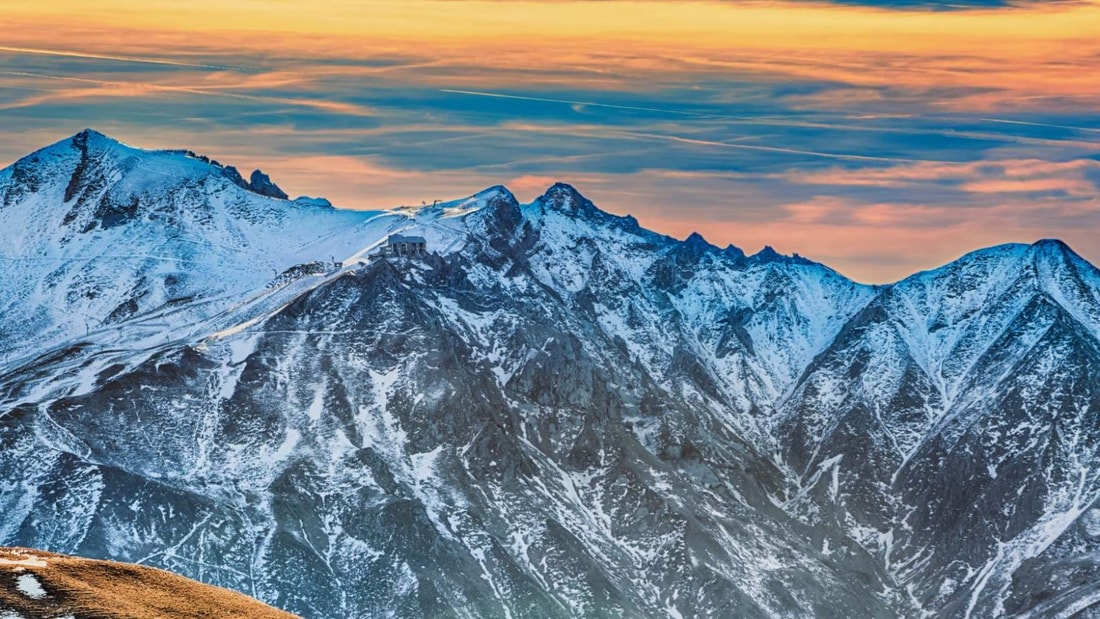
(797, 124)
(498, 95)
(1031, 124)
(91, 56)
(776, 149)
(328, 106)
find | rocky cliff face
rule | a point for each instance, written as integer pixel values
(557, 413)
(956, 416)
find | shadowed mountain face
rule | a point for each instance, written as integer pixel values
(959, 411)
(553, 413)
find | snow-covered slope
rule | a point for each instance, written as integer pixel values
(112, 246)
(554, 413)
(711, 324)
(957, 419)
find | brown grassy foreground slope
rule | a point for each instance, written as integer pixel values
(36, 584)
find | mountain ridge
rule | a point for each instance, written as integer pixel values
(555, 412)
(574, 200)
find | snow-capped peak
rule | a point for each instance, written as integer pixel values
(91, 136)
(565, 196)
(107, 155)
(494, 193)
(564, 199)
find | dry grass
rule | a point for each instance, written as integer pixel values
(89, 589)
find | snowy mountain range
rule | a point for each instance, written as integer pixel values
(554, 413)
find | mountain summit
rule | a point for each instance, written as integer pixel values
(548, 411)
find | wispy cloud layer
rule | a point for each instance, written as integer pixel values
(879, 138)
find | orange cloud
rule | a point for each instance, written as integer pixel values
(871, 70)
(994, 176)
(1027, 55)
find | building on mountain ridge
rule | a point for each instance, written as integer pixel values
(398, 245)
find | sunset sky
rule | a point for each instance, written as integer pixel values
(877, 137)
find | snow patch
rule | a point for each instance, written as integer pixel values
(29, 585)
(28, 562)
(291, 441)
(1091, 521)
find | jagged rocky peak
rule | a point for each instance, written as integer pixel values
(692, 250)
(258, 183)
(495, 202)
(92, 141)
(261, 183)
(497, 196)
(768, 255)
(732, 251)
(94, 149)
(89, 138)
(497, 215)
(696, 241)
(1052, 245)
(696, 245)
(496, 192)
(1053, 252)
(82, 151)
(235, 177)
(564, 198)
